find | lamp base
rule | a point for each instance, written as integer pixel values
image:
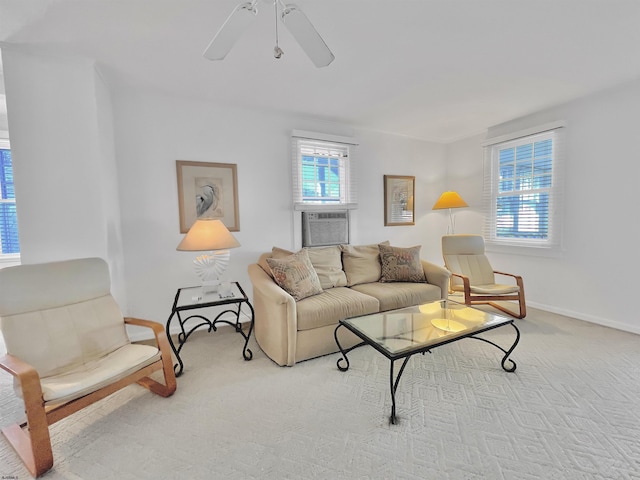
(448, 325)
(211, 286)
(210, 267)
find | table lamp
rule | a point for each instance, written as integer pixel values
(209, 235)
(450, 200)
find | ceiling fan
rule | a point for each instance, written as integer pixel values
(293, 18)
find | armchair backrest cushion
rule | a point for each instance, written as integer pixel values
(59, 316)
(464, 254)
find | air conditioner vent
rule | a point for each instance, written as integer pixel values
(325, 228)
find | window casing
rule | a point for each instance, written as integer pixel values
(9, 243)
(523, 191)
(322, 172)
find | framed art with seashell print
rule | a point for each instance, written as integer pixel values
(207, 190)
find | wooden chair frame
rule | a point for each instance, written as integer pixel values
(478, 299)
(31, 439)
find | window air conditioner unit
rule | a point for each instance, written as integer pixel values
(325, 228)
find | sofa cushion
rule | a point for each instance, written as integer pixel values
(275, 253)
(262, 262)
(361, 263)
(400, 294)
(401, 264)
(295, 275)
(333, 305)
(327, 262)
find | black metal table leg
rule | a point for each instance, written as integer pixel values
(394, 386)
(177, 367)
(344, 354)
(508, 352)
(247, 354)
(344, 351)
(513, 366)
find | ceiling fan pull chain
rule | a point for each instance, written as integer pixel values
(277, 51)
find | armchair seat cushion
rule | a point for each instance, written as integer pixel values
(96, 374)
(491, 289)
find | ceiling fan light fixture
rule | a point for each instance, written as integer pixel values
(294, 19)
(306, 35)
(231, 30)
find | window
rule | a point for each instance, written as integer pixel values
(8, 220)
(523, 191)
(322, 171)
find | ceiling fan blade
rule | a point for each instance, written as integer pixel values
(230, 31)
(306, 35)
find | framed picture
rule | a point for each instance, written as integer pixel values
(399, 194)
(207, 190)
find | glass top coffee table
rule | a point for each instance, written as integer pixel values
(400, 334)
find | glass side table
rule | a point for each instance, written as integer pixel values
(193, 298)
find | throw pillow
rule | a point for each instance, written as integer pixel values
(361, 263)
(401, 264)
(327, 262)
(275, 253)
(295, 275)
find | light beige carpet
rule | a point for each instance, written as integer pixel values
(570, 411)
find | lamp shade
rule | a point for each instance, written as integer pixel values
(449, 200)
(207, 234)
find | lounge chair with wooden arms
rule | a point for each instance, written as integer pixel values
(67, 347)
(472, 274)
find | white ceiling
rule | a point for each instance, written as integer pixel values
(436, 70)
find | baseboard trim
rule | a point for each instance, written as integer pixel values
(605, 322)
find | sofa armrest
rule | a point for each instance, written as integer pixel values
(276, 321)
(437, 275)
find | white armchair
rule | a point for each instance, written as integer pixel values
(472, 274)
(67, 347)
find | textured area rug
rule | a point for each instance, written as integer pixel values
(570, 411)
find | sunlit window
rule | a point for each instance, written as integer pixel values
(524, 191)
(8, 220)
(322, 173)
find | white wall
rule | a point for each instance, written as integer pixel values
(62, 148)
(465, 176)
(596, 277)
(153, 131)
(75, 199)
(380, 155)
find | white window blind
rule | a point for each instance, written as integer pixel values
(9, 244)
(523, 189)
(322, 171)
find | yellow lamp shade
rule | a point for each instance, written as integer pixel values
(449, 200)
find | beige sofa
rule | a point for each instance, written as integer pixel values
(354, 280)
